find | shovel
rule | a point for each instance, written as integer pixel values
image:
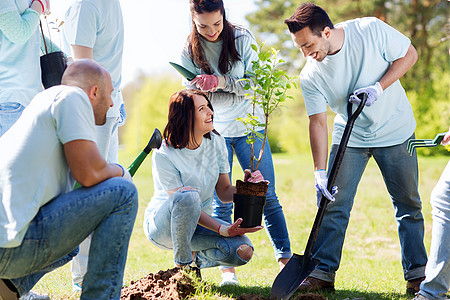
(416, 143)
(154, 143)
(183, 71)
(300, 266)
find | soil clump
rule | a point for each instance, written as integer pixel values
(171, 284)
(251, 188)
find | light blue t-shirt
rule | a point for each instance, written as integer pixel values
(98, 24)
(20, 71)
(33, 169)
(200, 168)
(225, 117)
(370, 46)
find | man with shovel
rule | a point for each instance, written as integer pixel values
(42, 220)
(359, 56)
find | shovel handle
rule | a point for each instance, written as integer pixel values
(334, 171)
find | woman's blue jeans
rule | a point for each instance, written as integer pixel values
(273, 216)
(437, 281)
(9, 113)
(108, 210)
(174, 225)
(400, 174)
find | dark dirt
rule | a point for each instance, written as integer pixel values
(171, 284)
(308, 296)
(251, 188)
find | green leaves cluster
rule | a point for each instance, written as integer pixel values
(268, 85)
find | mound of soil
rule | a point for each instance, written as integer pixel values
(251, 188)
(308, 296)
(171, 284)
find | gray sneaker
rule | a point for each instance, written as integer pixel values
(420, 297)
(34, 296)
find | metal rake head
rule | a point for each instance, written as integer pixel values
(416, 143)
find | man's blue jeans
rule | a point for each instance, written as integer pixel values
(9, 113)
(273, 216)
(174, 225)
(400, 174)
(108, 210)
(437, 281)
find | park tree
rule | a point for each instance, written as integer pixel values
(425, 22)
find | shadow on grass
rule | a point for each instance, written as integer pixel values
(236, 291)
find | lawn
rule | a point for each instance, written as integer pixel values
(370, 266)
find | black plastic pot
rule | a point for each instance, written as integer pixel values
(52, 68)
(249, 208)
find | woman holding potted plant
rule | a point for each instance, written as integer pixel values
(190, 164)
(220, 54)
(20, 73)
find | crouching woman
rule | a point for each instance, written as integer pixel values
(191, 163)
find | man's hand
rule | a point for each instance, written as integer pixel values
(373, 92)
(205, 82)
(321, 186)
(234, 229)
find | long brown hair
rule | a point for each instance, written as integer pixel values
(180, 123)
(228, 55)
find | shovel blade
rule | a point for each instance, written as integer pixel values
(292, 275)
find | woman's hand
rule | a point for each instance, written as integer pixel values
(254, 177)
(44, 4)
(234, 229)
(206, 83)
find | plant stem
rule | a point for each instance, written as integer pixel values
(261, 152)
(43, 37)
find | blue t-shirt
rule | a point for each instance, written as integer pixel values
(225, 116)
(98, 24)
(200, 168)
(20, 71)
(370, 46)
(33, 168)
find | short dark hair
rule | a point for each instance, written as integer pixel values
(309, 15)
(180, 123)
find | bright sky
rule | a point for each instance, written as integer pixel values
(156, 31)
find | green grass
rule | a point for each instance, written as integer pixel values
(370, 266)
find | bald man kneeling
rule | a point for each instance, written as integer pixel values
(42, 218)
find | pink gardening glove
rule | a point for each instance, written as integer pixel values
(234, 229)
(45, 6)
(205, 82)
(254, 177)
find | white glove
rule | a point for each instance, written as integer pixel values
(321, 186)
(373, 92)
(235, 230)
(125, 173)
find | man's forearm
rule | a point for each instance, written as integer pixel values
(399, 68)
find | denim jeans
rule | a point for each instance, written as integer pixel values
(107, 210)
(400, 174)
(174, 225)
(107, 142)
(9, 113)
(273, 216)
(437, 281)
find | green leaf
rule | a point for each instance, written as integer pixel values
(254, 47)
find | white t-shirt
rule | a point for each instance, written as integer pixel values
(20, 71)
(225, 117)
(98, 24)
(33, 169)
(200, 168)
(370, 46)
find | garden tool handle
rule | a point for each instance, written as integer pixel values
(333, 173)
